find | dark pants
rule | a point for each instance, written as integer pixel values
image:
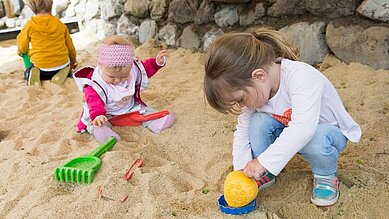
(44, 75)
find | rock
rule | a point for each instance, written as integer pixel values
(127, 28)
(252, 15)
(70, 11)
(375, 9)
(310, 39)
(2, 24)
(365, 45)
(10, 22)
(227, 16)
(93, 9)
(105, 29)
(183, 11)
(60, 6)
(232, 1)
(189, 38)
(205, 13)
(168, 33)
(330, 8)
(26, 13)
(157, 9)
(147, 30)
(111, 9)
(210, 37)
(138, 8)
(286, 8)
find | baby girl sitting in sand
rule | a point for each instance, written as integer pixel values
(114, 86)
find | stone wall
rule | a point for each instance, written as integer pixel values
(353, 30)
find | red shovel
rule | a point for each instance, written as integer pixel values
(135, 118)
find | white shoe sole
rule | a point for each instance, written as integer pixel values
(325, 203)
(267, 185)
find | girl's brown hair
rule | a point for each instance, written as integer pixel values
(231, 59)
(38, 6)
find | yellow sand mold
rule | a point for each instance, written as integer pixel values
(239, 190)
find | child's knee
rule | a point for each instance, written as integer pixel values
(329, 137)
(260, 121)
(323, 143)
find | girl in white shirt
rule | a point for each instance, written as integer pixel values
(286, 107)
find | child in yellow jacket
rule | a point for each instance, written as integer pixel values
(52, 52)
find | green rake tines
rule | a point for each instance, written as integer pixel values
(82, 169)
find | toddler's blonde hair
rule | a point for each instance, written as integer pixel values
(38, 6)
(117, 40)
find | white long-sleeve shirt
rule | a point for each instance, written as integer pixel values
(312, 100)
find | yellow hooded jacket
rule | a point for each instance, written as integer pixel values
(51, 44)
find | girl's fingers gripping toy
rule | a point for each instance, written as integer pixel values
(239, 194)
(82, 169)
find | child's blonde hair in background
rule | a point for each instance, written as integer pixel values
(38, 6)
(116, 40)
(232, 58)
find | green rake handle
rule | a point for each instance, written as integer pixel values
(106, 146)
(26, 60)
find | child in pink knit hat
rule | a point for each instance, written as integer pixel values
(114, 86)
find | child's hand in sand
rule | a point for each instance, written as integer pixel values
(254, 169)
(161, 58)
(100, 120)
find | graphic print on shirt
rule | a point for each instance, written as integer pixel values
(285, 118)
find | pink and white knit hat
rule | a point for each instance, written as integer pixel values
(116, 55)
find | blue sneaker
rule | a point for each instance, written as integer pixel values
(325, 190)
(266, 181)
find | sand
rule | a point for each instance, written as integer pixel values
(185, 166)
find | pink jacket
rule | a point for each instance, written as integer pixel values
(93, 100)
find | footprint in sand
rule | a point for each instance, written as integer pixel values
(10, 205)
(170, 180)
(3, 134)
(14, 174)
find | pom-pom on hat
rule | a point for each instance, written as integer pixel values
(116, 55)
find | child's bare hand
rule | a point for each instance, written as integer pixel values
(254, 169)
(73, 64)
(100, 120)
(161, 57)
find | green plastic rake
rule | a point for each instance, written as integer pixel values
(26, 60)
(82, 169)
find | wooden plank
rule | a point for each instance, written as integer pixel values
(8, 9)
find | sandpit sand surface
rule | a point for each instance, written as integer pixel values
(185, 166)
